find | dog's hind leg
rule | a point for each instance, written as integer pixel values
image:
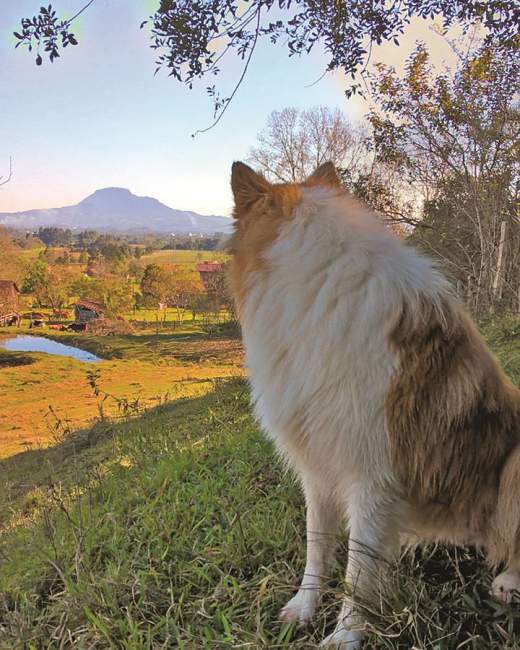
(373, 541)
(323, 520)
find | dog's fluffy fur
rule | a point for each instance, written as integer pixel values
(375, 386)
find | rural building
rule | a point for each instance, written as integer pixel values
(208, 271)
(88, 310)
(9, 303)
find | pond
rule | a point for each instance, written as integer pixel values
(41, 344)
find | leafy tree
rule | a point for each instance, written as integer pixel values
(56, 291)
(191, 38)
(156, 284)
(36, 277)
(114, 292)
(184, 290)
(52, 236)
(454, 139)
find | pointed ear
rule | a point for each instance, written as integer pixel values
(325, 175)
(247, 186)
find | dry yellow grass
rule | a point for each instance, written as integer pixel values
(27, 391)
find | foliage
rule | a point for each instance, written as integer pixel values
(45, 29)
(113, 291)
(192, 38)
(35, 277)
(454, 139)
(53, 236)
(155, 284)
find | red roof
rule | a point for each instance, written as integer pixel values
(209, 267)
(8, 284)
(92, 305)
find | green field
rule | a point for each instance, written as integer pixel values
(181, 529)
(187, 259)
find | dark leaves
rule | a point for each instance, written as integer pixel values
(44, 31)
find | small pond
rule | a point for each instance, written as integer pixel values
(41, 344)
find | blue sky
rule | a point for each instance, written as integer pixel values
(98, 117)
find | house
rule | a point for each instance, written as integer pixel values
(9, 303)
(88, 310)
(208, 271)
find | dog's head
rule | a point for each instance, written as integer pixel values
(261, 209)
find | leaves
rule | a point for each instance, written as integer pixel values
(193, 37)
(44, 31)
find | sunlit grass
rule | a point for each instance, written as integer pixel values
(181, 529)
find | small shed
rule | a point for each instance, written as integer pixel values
(208, 271)
(88, 310)
(9, 303)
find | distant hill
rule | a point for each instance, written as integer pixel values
(115, 209)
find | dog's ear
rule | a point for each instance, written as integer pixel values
(325, 175)
(247, 186)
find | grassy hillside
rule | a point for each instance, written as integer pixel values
(143, 367)
(180, 529)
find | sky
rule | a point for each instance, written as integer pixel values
(98, 117)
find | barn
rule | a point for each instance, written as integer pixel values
(88, 310)
(9, 303)
(208, 271)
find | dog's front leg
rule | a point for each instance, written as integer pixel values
(373, 539)
(323, 520)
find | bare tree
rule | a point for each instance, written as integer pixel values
(295, 142)
(6, 179)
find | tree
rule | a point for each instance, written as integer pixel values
(5, 179)
(192, 38)
(36, 277)
(454, 139)
(156, 284)
(295, 142)
(115, 293)
(184, 290)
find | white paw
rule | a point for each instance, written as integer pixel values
(506, 586)
(342, 639)
(301, 607)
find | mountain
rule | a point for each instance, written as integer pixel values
(115, 209)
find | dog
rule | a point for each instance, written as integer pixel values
(375, 386)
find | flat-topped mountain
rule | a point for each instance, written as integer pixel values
(116, 209)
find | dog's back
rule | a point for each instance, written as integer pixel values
(365, 369)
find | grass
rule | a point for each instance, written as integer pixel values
(180, 529)
(186, 259)
(148, 368)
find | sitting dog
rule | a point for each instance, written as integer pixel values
(375, 386)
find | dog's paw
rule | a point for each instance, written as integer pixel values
(343, 639)
(506, 586)
(301, 607)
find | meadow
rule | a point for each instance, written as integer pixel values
(179, 528)
(48, 392)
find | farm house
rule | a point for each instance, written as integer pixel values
(208, 271)
(88, 310)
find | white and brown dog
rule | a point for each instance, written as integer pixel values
(375, 386)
